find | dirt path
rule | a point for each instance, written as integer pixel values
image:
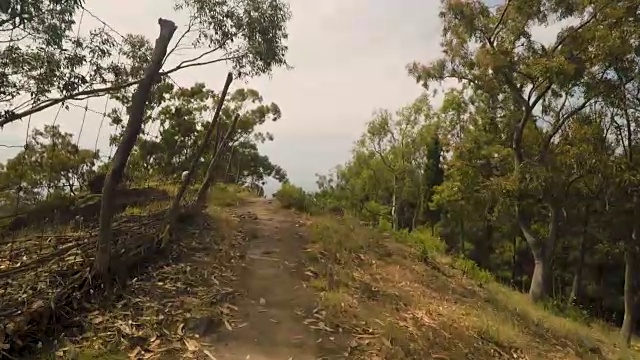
(273, 300)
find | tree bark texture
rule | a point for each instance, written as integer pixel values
(131, 132)
(542, 251)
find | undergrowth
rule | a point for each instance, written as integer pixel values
(409, 299)
(156, 289)
(225, 195)
(293, 197)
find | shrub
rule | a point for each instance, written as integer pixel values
(471, 270)
(428, 245)
(293, 197)
(431, 244)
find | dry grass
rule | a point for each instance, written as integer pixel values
(163, 309)
(400, 303)
(226, 195)
(162, 312)
(389, 298)
(45, 267)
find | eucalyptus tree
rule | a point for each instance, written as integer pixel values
(542, 87)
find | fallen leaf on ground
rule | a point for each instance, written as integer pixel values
(209, 354)
(191, 344)
(134, 353)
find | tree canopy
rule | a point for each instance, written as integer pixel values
(46, 58)
(529, 165)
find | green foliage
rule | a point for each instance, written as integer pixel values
(427, 242)
(530, 164)
(227, 195)
(563, 309)
(429, 247)
(293, 197)
(470, 268)
(385, 225)
(182, 116)
(51, 166)
(396, 166)
(250, 33)
(43, 57)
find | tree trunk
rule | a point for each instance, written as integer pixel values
(228, 169)
(208, 178)
(394, 205)
(541, 250)
(420, 208)
(414, 218)
(175, 204)
(576, 286)
(539, 288)
(134, 126)
(630, 313)
(514, 261)
(462, 244)
(238, 171)
(631, 278)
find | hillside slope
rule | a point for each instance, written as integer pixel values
(376, 298)
(260, 282)
(400, 304)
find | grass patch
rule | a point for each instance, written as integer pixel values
(72, 353)
(408, 299)
(588, 339)
(226, 195)
(96, 355)
(225, 225)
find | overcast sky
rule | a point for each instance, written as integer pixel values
(349, 58)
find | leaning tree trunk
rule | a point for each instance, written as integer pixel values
(228, 169)
(238, 171)
(175, 204)
(541, 249)
(131, 132)
(208, 178)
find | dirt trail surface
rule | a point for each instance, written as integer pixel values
(273, 301)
